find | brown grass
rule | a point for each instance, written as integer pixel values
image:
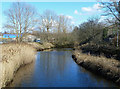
(13, 57)
(109, 68)
(40, 47)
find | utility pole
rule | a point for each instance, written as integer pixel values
(118, 36)
(118, 24)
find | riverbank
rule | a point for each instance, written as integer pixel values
(49, 65)
(108, 68)
(64, 45)
(14, 55)
(41, 47)
(106, 50)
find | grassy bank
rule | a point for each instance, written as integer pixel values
(101, 49)
(109, 68)
(13, 57)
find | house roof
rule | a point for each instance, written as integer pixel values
(10, 35)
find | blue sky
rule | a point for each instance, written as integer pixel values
(78, 12)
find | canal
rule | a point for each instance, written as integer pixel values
(56, 68)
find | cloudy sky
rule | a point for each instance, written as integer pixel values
(78, 12)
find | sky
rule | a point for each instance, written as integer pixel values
(78, 12)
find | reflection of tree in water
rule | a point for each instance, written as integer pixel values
(56, 68)
(23, 73)
(54, 63)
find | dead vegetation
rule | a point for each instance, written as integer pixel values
(109, 68)
(40, 47)
(101, 49)
(13, 57)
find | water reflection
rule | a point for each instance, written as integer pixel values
(57, 69)
(23, 74)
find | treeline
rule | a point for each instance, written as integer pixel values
(93, 31)
(105, 32)
(101, 37)
(90, 31)
(48, 26)
(58, 39)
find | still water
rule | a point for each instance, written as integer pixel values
(56, 68)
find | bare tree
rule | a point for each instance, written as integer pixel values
(47, 19)
(54, 25)
(20, 17)
(112, 8)
(64, 23)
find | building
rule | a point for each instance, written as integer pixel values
(9, 35)
(29, 38)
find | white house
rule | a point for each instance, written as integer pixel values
(29, 38)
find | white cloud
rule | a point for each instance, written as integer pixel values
(88, 9)
(94, 8)
(75, 12)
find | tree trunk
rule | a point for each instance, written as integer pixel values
(47, 30)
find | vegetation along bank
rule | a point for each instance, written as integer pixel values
(14, 55)
(108, 68)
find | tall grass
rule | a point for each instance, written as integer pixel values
(13, 57)
(109, 68)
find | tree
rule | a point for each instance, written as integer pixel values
(63, 23)
(75, 34)
(21, 18)
(90, 31)
(48, 19)
(58, 24)
(112, 8)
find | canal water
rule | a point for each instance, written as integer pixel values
(56, 68)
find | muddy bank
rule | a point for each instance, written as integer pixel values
(12, 58)
(108, 68)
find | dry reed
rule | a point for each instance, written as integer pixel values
(109, 68)
(13, 57)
